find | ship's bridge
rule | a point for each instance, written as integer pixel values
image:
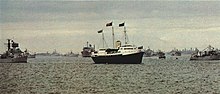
(128, 45)
(128, 48)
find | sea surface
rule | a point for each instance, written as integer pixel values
(78, 75)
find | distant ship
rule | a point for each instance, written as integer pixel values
(209, 53)
(55, 53)
(161, 55)
(149, 53)
(175, 52)
(29, 55)
(71, 54)
(188, 51)
(87, 50)
(43, 54)
(13, 54)
(125, 54)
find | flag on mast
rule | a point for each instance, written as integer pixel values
(109, 24)
(122, 24)
(100, 31)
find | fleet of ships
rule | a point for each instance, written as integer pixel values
(125, 53)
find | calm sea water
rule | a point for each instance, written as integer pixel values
(77, 75)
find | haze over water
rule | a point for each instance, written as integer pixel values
(69, 75)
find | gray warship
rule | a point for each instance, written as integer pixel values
(13, 54)
(149, 53)
(87, 50)
(209, 53)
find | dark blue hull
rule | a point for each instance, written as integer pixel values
(135, 58)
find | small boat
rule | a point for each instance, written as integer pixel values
(161, 55)
(13, 54)
(209, 53)
(87, 50)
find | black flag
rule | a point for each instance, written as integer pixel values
(122, 24)
(100, 31)
(109, 24)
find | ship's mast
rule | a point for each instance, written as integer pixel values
(125, 32)
(103, 40)
(113, 36)
(87, 44)
(125, 35)
(9, 44)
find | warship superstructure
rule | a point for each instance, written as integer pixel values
(13, 54)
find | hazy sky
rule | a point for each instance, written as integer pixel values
(42, 26)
